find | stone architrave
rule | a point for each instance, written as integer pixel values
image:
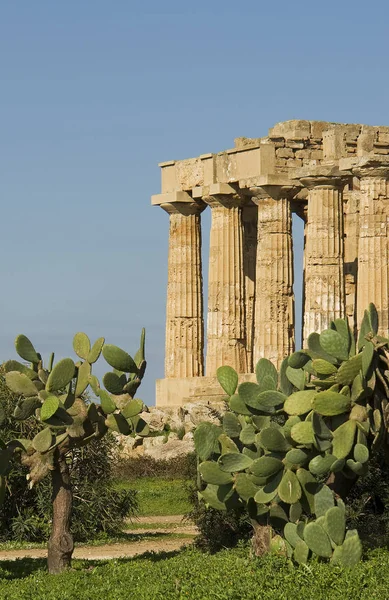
(324, 283)
(184, 307)
(226, 331)
(373, 253)
(274, 297)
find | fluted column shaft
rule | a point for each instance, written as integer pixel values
(226, 336)
(373, 254)
(184, 308)
(274, 298)
(324, 271)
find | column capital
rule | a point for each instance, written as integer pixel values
(275, 187)
(184, 208)
(220, 194)
(322, 177)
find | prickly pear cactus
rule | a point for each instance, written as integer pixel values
(293, 443)
(55, 395)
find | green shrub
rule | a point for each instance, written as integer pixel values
(181, 467)
(217, 529)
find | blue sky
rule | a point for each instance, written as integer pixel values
(95, 94)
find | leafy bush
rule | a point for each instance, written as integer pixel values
(217, 529)
(181, 467)
(368, 504)
(97, 507)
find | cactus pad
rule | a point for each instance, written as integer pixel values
(317, 540)
(26, 350)
(244, 486)
(211, 473)
(299, 403)
(119, 359)
(302, 433)
(232, 462)
(228, 379)
(289, 489)
(324, 500)
(206, 439)
(95, 351)
(273, 440)
(301, 553)
(20, 384)
(231, 425)
(61, 375)
(132, 408)
(266, 466)
(343, 439)
(264, 369)
(334, 343)
(83, 378)
(330, 404)
(49, 407)
(335, 524)
(43, 440)
(81, 345)
(107, 404)
(26, 408)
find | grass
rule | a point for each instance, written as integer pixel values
(228, 575)
(157, 496)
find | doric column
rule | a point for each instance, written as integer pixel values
(274, 298)
(184, 307)
(373, 253)
(226, 334)
(324, 291)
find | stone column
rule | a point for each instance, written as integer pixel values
(184, 307)
(226, 332)
(274, 298)
(324, 298)
(373, 253)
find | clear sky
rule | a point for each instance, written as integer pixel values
(95, 93)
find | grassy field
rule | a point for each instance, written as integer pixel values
(228, 575)
(157, 496)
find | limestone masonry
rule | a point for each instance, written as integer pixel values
(336, 178)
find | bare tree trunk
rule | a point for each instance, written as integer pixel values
(60, 546)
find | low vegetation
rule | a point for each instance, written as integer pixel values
(190, 574)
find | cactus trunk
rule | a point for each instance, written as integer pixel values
(60, 546)
(261, 539)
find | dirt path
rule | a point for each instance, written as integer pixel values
(158, 519)
(123, 550)
(107, 551)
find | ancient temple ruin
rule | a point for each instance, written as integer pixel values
(336, 178)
